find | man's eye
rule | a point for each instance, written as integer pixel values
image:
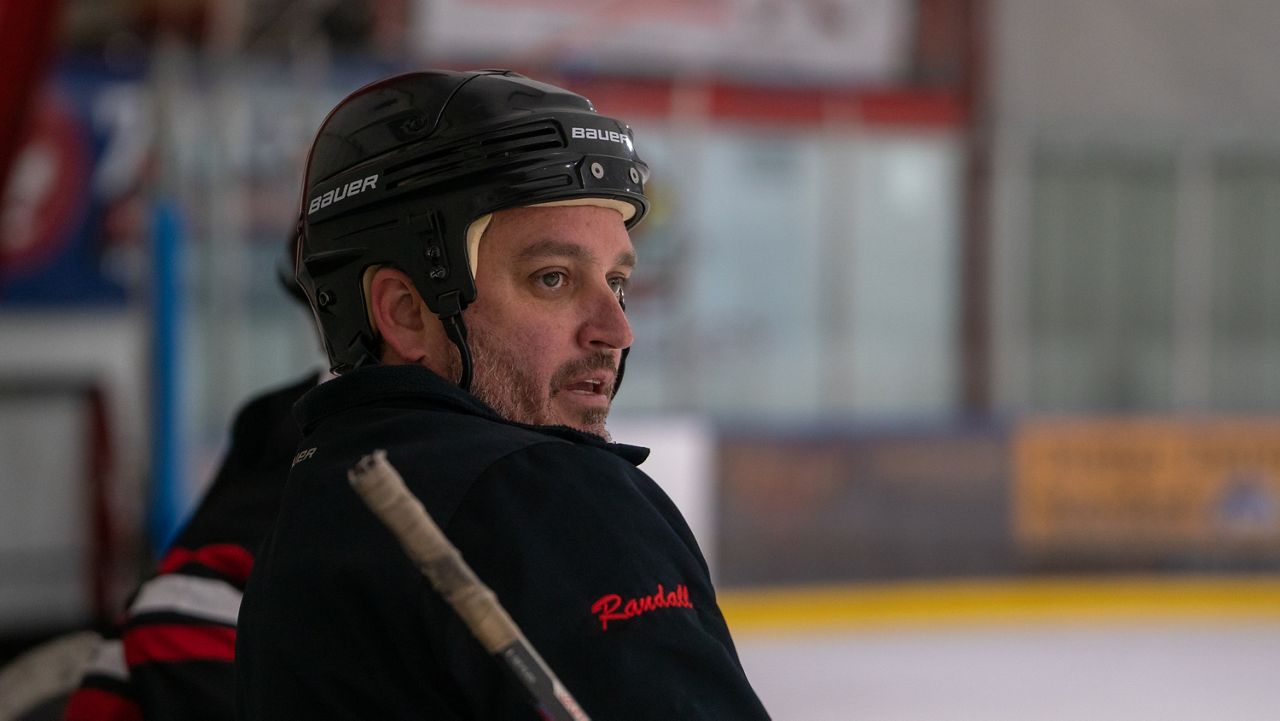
(619, 286)
(554, 279)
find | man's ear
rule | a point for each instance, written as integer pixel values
(399, 316)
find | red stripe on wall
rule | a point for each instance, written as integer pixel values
(767, 105)
(661, 99)
(164, 643)
(914, 108)
(626, 98)
(228, 559)
(95, 704)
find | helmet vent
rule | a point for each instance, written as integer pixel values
(361, 229)
(510, 145)
(555, 181)
(321, 263)
(520, 144)
(523, 137)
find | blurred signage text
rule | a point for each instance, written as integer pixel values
(1147, 488)
(864, 41)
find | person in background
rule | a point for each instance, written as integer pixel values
(171, 654)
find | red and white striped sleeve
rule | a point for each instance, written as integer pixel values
(174, 657)
(105, 692)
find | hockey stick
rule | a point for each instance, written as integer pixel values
(383, 490)
(45, 675)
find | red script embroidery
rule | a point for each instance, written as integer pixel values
(611, 608)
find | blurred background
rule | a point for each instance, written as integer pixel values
(958, 321)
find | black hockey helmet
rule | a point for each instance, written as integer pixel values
(403, 171)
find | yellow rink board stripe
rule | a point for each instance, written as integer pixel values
(998, 601)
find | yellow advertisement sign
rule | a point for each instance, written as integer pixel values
(1140, 486)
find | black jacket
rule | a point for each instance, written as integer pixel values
(586, 553)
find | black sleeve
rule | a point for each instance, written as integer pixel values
(601, 574)
(244, 498)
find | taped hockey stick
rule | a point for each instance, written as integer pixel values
(45, 675)
(380, 486)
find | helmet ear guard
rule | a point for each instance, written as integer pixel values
(406, 172)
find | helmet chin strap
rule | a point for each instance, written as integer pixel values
(622, 366)
(622, 362)
(457, 332)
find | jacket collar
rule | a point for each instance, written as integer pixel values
(379, 384)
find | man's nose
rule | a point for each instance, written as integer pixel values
(606, 326)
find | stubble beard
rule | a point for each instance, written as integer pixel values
(500, 381)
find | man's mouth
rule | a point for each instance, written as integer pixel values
(589, 380)
(594, 385)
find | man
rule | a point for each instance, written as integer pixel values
(464, 244)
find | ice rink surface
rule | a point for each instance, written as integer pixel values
(1173, 648)
(1172, 670)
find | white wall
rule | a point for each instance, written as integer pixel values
(1190, 84)
(1189, 66)
(44, 513)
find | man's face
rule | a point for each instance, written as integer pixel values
(546, 331)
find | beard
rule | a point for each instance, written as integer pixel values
(501, 381)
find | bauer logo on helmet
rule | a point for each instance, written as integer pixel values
(611, 136)
(342, 192)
